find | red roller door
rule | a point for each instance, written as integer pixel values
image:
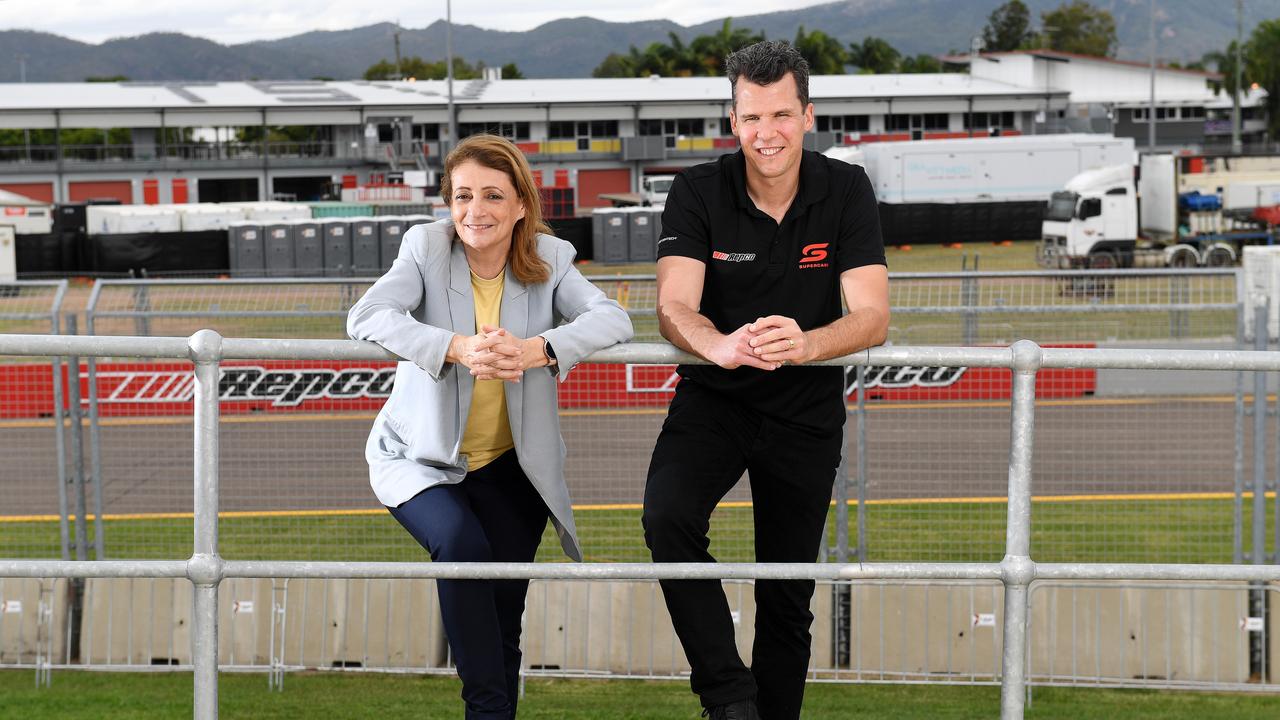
(36, 191)
(121, 190)
(593, 182)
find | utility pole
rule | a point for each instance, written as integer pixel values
(1237, 143)
(1151, 110)
(448, 61)
(22, 77)
(399, 67)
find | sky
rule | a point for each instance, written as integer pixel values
(237, 21)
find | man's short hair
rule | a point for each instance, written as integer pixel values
(764, 63)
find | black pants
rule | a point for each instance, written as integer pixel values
(493, 515)
(706, 443)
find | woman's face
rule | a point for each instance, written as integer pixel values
(485, 207)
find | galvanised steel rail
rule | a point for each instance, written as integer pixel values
(206, 569)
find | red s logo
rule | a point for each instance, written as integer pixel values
(813, 254)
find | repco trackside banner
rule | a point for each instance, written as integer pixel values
(167, 389)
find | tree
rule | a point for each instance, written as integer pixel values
(419, 69)
(511, 71)
(1262, 63)
(874, 56)
(920, 64)
(1223, 62)
(1008, 27)
(825, 54)
(106, 79)
(615, 65)
(712, 50)
(1079, 27)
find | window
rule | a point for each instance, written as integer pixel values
(577, 129)
(843, 123)
(937, 121)
(430, 132)
(1192, 113)
(509, 130)
(927, 121)
(989, 120)
(726, 127)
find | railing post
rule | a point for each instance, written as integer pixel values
(204, 569)
(1017, 569)
(1257, 593)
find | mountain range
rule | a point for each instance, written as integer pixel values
(573, 47)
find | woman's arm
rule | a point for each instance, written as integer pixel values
(382, 315)
(592, 321)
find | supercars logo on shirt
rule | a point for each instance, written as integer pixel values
(814, 256)
(732, 257)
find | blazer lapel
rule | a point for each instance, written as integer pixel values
(462, 311)
(515, 318)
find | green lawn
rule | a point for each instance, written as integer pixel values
(114, 696)
(1081, 531)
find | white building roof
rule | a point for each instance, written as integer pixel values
(252, 95)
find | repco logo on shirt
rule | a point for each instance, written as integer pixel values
(732, 257)
(814, 256)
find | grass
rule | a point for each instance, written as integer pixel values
(112, 696)
(1082, 531)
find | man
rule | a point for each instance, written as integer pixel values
(757, 249)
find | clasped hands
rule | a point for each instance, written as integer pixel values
(496, 354)
(768, 344)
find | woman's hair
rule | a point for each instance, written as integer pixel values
(498, 153)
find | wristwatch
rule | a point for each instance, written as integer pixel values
(550, 351)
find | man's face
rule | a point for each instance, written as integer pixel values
(770, 124)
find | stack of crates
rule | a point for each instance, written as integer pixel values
(557, 202)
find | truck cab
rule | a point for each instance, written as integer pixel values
(1092, 222)
(654, 189)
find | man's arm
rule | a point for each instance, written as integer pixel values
(866, 293)
(680, 281)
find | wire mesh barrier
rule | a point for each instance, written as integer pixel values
(226, 585)
(32, 421)
(933, 439)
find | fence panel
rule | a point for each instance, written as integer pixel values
(32, 434)
(1129, 466)
(293, 439)
(1016, 571)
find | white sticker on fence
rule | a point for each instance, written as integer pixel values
(243, 606)
(13, 606)
(1251, 624)
(984, 619)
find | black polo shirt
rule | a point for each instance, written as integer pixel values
(758, 267)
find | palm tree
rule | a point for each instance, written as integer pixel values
(825, 54)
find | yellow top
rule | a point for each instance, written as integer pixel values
(488, 432)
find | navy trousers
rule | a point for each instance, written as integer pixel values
(493, 515)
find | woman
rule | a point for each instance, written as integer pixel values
(466, 453)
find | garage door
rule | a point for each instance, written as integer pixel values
(121, 190)
(593, 182)
(36, 191)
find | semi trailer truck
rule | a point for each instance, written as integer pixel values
(1168, 211)
(976, 189)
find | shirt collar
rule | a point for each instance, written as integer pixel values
(814, 177)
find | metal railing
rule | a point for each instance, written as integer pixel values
(206, 569)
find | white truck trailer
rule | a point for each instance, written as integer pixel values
(1180, 211)
(973, 189)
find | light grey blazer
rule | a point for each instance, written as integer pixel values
(415, 310)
